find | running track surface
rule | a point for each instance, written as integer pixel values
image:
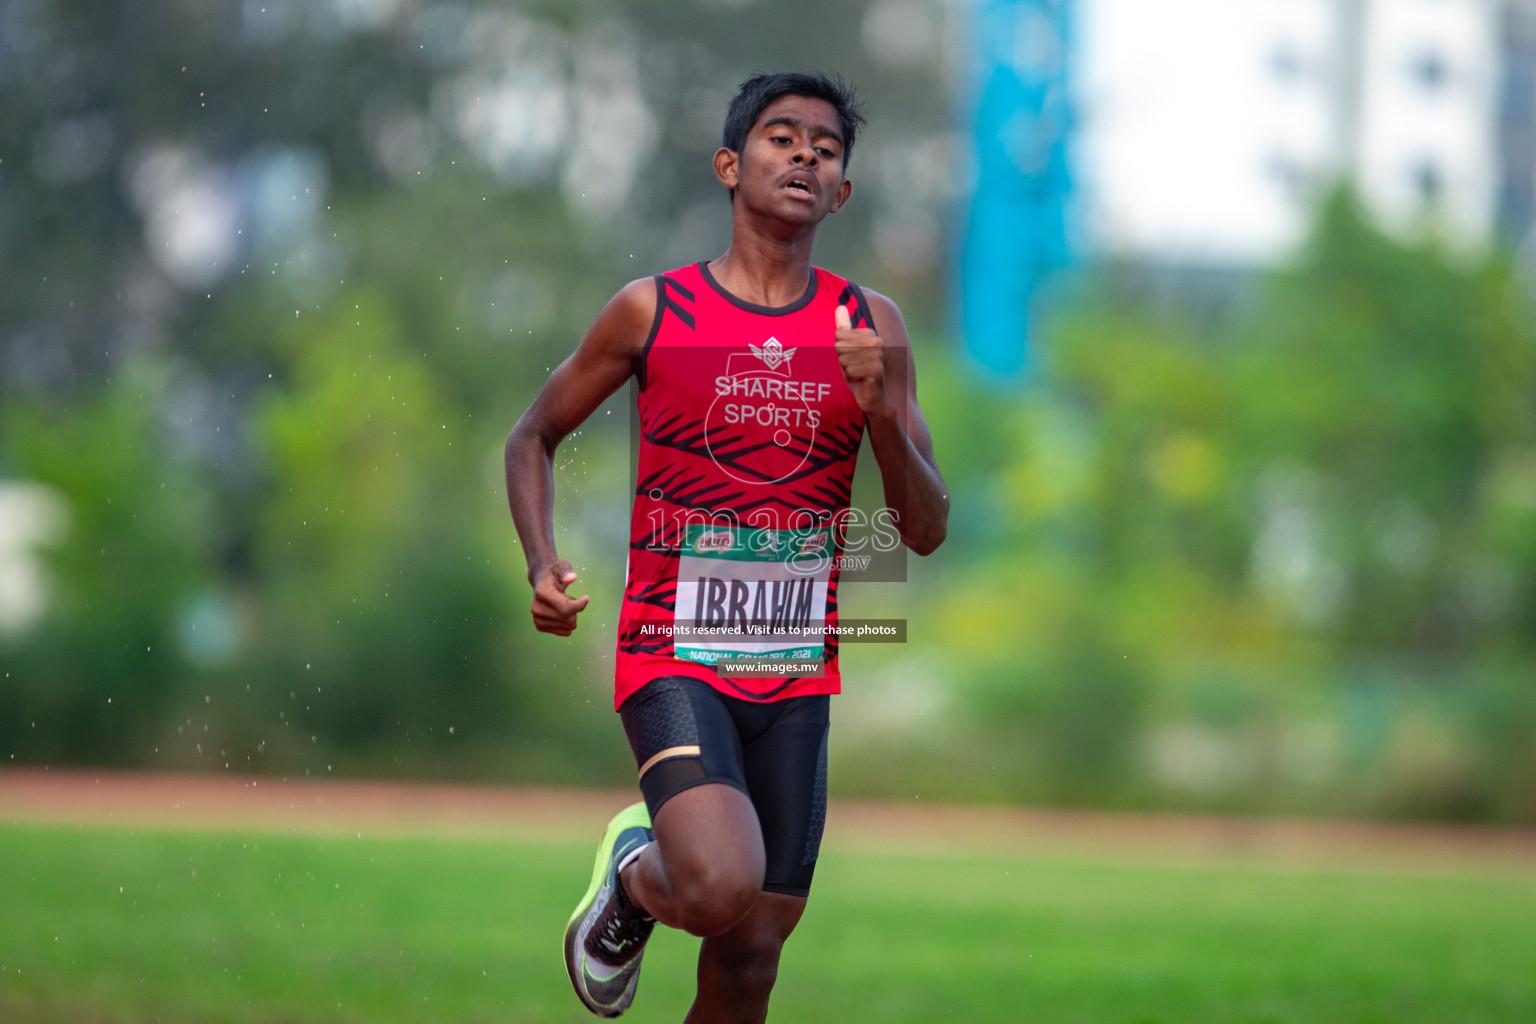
(82, 797)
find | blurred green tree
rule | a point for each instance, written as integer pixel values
(373, 559)
(95, 680)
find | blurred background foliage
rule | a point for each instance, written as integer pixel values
(1284, 564)
(279, 277)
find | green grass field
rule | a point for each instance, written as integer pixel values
(103, 925)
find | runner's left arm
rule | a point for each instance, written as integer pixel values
(877, 361)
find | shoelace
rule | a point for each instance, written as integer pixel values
(618, 931)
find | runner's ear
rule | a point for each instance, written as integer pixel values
(844, 321)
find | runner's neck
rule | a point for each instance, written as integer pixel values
(764, 271)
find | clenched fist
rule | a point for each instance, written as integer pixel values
(862, 356)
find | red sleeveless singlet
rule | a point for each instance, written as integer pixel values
(748, 435)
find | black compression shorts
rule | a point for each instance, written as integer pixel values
(685, 733)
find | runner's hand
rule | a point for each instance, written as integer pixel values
(553, 610)
(861, 353)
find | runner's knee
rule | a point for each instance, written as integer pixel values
(711, 899)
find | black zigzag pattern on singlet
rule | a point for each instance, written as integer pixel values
(634, 642)
(669, 287)
(661, 593)
(683, 434)
(827, 495)
(682, 490)
(676, 431)
(679, 488)
(829, 449)
(668, 545)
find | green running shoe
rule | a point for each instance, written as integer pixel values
(606, 935)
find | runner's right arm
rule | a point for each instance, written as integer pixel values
(606, 357)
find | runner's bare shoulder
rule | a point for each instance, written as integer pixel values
(623, 325)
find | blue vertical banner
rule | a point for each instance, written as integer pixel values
(1016, 225)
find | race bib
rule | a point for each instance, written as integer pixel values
(752, 594)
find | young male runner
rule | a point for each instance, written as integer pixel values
(758, 375)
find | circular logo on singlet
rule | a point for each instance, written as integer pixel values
(761, 427)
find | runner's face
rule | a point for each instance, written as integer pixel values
(792, 162)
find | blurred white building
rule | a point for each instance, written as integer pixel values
(1206, 128)
(31, 517)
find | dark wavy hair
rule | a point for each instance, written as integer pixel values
(760, 90)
